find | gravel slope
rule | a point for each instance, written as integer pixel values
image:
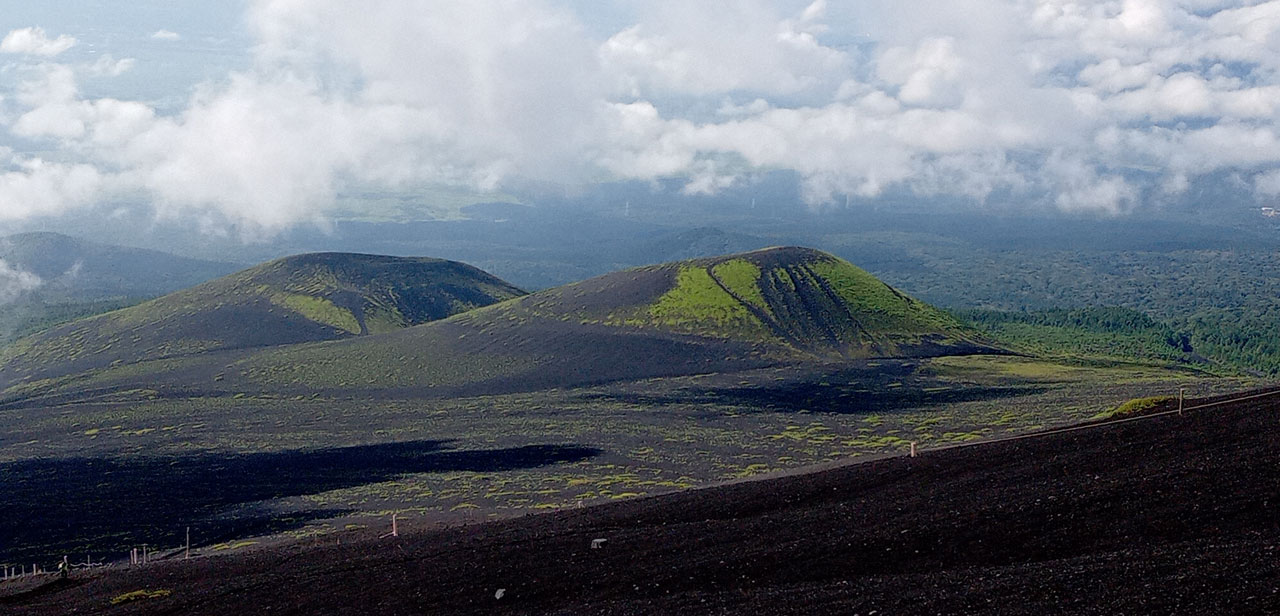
(1176, 514)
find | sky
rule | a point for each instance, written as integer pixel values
(263, 114)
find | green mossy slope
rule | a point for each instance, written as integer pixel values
(297, 299)
(803, 299)
(764, 308)
(767, 307)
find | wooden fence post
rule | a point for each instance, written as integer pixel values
(913, 449)
(395, 530)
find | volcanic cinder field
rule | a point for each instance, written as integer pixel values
(504, 432)
(1172, 514)
(430, 390)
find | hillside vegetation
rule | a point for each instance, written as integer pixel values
(762, 308)
(297, 299)
(1085, 333)
(1225, 299)
(802, 298)
(781, 305)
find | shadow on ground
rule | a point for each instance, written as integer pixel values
(837, 399)
(883, 387)
(102, 506)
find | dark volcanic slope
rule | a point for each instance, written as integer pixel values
(705, 315)
(296, 299)
(1162, 516)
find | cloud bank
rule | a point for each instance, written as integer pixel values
(15, 282)
(1083, 106)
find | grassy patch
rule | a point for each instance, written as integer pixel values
(698, 304)
(138, 595)
(877, 304)
(233, 545)
(1134, 407)
(743, 279)
(320, 310)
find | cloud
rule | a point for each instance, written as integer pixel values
(34, 41)
(1268, 183)
(754, 48)
(15, 282)
(107, 66)
(166, 35)
(929, 74)
(1052, 102)
(35, 187)
(1083, 188)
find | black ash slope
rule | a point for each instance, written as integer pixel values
(1169, 515)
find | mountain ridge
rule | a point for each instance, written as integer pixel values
(769, 307)
(629, 325)
(76, 269)
(302, 298)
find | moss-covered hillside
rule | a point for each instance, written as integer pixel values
(773, 306)
(792, 298)
(737, 312)
(303, 298)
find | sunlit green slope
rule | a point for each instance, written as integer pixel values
(303, 298)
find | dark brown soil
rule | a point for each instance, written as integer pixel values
(1175, 514)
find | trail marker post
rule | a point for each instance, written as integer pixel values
(913, 449)
(395, 530)
(1182, 392)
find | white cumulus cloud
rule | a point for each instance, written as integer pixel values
(1085, 106)
(34, 41)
